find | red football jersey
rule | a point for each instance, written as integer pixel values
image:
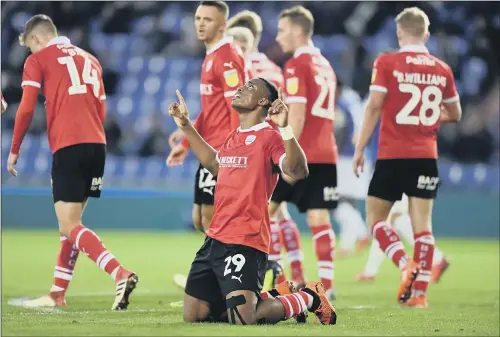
(223, 71)
(310, 79)
(246, 180)
(71, 81)
(416, 84)
(261, 66)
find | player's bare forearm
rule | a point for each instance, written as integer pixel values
(295, 162)
(451, 113)
(297, 118)
(372, 115)
(202, 150)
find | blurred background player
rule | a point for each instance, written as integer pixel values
(399, 219)
(284, 231)
(223, 71)
(310, 85)
(243, 38)
(71, 81)
(254, 168)
(348, 119)
(412, 92)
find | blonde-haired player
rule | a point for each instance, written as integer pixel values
(412, 92)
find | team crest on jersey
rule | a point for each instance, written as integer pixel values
(374, 75)
(250, 139)
(292, 85)
(231, 77)
(209, 65)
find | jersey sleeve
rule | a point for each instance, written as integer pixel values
(379, 81)
(277, 150)
(450, 91)
(32, 73)
(295, 83)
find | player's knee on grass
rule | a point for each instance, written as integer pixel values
(69, 215)
(207, 213)
(242, 307)
(318, 217)
(420, 211)
(377, 209)
(197, 217)
(195, 310)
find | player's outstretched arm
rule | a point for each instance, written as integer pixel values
(295, 162)
(202, 150)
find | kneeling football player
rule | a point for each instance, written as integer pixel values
(227, 274)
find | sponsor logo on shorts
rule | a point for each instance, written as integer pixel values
(96, 184)
(330, 194)
(427, 183)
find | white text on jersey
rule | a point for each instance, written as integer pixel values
(418, 78)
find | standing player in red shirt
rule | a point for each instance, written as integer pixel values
(227, 273)
(223, 70)
(310, 84)
(412, 92)
(71, 81)
(283, 228)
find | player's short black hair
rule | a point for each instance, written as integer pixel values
(273, 91)
(220, 5)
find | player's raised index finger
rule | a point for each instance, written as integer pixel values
(280, 94)
(179, 96)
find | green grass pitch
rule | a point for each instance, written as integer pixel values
(465, 303)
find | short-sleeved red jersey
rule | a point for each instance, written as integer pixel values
(223, 71)
(261, 66)
(71, 82)
(310, 79)
(416, 84)
(247, 177)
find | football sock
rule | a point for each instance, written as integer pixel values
(269, 294)
(297, 303)
(66, 260)
(89, 243)
(423, 254)
(291, 240)
(324, 246)
(375, 258)
(390, 243)
(352, 226)
(275, 248)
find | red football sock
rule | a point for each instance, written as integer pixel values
(89, 243)
(297, 303)
(390, 243)
(66, 260)
(275, 249)
(423, 254)
(291, 240)
(324, 245)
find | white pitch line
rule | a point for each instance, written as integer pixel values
(56, 311)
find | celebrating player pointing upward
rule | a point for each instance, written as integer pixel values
(413, 92)
(228, 271)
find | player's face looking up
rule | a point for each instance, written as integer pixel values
(287, 34)
(209, 23)
(251, 96)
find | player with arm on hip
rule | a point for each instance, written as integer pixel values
(409, 90)
(226, 276)
(71, 81)
(284, 231)
(310, 85)
(223, 70)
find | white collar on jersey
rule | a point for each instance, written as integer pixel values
(225, 40)
(256, 56)
(256, 127)
(414, 48)
(59, 40)
(309, 49)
